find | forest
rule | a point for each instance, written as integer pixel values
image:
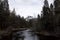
(48, 21)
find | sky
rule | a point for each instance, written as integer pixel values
(27, 7)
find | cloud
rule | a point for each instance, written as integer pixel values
(27, 7)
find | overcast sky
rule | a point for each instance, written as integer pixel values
(27, 7)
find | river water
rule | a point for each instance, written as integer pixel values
(25, 35)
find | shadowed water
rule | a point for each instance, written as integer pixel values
(25, 35)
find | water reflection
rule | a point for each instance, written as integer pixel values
(25, 35)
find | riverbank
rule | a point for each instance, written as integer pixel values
(45, 37)
(48, 36)
(7, 34)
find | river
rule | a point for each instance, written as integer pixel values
(25, 35)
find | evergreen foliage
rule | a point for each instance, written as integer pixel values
(10, 19)
(50, 19)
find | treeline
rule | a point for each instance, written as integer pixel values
(50, 18)
(10, 19)
(48, 21)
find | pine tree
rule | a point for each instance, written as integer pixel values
(57, 6)
(57, 16)
(46, 4)
(51, 7)
(3, 17)
(46, 16)
(38, 28)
